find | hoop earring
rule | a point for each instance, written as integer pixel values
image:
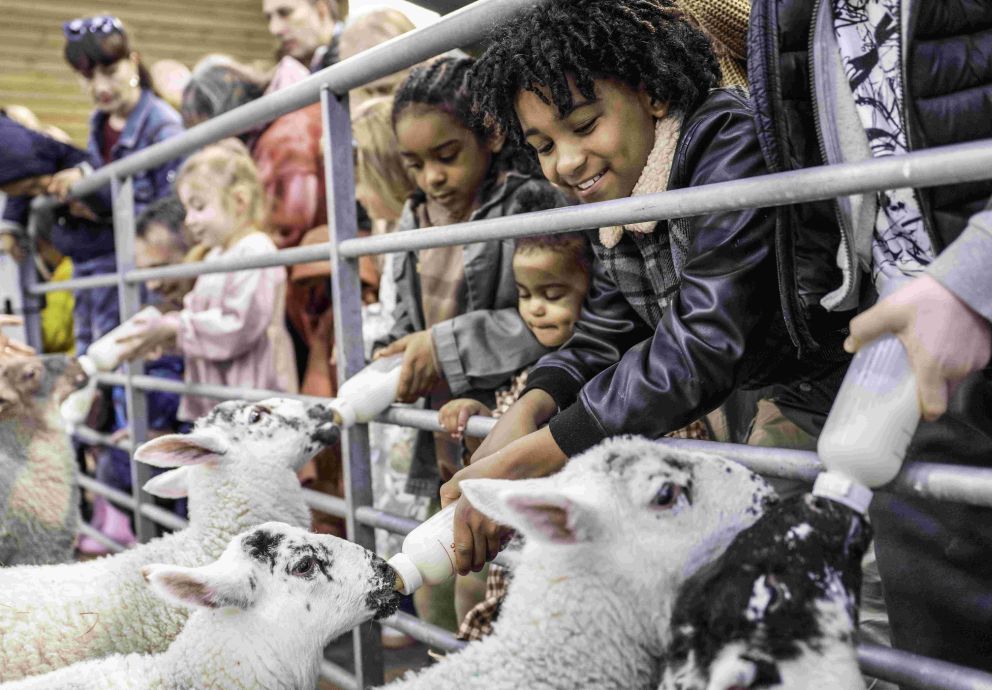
(134, 82)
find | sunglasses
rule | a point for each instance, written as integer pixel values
(101, 24)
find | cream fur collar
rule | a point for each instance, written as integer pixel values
(654, 177)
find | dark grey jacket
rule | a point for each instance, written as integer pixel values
(482, 348)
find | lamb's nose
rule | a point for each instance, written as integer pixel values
(327, 434)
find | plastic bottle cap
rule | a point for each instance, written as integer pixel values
(839, 488)
(408, 572)
(345, 410)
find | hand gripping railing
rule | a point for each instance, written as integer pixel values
(944, 165)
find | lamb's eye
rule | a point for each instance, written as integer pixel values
(256, 414)
(304, 566)
(667, 495)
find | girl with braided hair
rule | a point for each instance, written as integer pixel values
(463, 170)
(456, 318)
(618, 98)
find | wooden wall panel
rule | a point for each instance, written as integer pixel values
(33, 72)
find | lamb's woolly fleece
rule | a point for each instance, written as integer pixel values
(39, 498)
(263, 614)
(238, 468)
(777, 610)
(608, 541)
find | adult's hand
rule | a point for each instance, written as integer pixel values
(945, 339)
(9, 244)
(524, 417)
(62, 181)
(477, 538)
(419, 372)
(8, 346)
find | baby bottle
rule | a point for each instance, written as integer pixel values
(428, 555)
(368, 393)
(76, 406)
(870, 424)
(106, 353)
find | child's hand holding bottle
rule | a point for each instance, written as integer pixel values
(150, 335)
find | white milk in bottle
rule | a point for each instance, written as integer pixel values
(107, 353)
(76, 406)
(870, 424)
(428, 554)
(369, 392)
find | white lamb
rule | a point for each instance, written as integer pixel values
(238, 468)
(39, 498)
(263, 614)
(609, 540)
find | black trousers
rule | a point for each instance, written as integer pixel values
(935, 557)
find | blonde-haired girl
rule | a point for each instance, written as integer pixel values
(231, 329)
(382, 183)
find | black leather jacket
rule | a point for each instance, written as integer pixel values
(723, 330)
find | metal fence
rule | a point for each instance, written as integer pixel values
(935, 166)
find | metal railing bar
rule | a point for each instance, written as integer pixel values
(95, 438)
(397, 524)
(325, 503)
(431, 635)
(401, 415)
(923, 673)
(99, 536)
(963, 484)
(461, 28)
(938, 481)
(154, 383)
(110, 493)
(330, 671)
(87, 283)
(942, 165)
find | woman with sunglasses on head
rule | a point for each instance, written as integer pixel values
(128, 117)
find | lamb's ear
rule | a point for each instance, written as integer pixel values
(176, 450)
(533, 507)
(211, 586)
(171, 484)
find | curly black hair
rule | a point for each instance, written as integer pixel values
(636, 42)
(446, 84)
